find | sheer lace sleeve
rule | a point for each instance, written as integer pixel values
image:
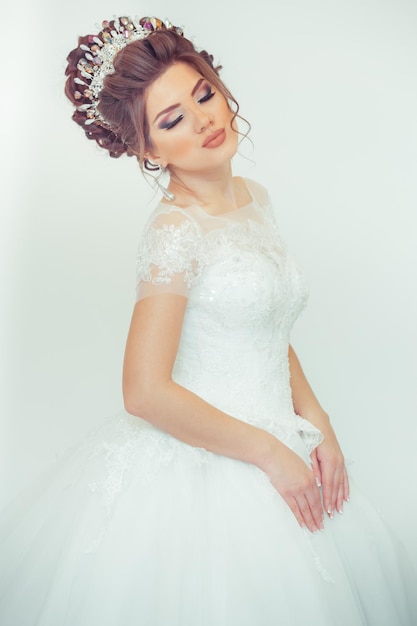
(168, 254)
(264, 202)
(258, 192)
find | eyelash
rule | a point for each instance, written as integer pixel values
(173, 123)
(208, 96)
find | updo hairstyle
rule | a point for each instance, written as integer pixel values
(123, 97)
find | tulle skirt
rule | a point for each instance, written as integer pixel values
(134, 528)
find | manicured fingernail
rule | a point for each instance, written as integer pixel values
(330, 513)
(347, 499)
(340, 511)
(318, 481)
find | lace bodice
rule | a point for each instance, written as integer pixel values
(244, 293)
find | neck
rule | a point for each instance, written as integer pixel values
(210, 189)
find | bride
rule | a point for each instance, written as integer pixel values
(217, 499)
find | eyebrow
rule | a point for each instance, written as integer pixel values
(174, 106)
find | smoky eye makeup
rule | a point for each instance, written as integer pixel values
(204, 94)
(209, 93)
(168, 124)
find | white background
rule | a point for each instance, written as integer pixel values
(330, 88)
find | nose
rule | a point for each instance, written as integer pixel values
(203, 120)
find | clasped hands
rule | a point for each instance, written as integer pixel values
(300, 485)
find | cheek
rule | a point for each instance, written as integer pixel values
(175, 148)
(170, 149)
(179, 148)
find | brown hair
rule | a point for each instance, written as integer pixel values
(123, 97)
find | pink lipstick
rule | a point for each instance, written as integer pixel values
(215, 139)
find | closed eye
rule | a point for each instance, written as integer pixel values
(207, 96)
(169, 125)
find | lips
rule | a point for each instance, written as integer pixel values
(215, 139)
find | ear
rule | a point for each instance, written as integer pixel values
(155, 159)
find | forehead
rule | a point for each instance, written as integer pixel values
(176, 82)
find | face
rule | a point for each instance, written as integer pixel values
(189, 122)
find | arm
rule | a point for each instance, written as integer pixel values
(327, 459)
(150, 392)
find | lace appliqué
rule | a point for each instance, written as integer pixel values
(134, 449)
(311, 435)
(117, 453)
(317, 560)
(169, 250)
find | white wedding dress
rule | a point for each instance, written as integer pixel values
(135, 528)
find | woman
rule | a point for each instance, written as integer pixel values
(203, 506)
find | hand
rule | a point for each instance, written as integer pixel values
(329, 469)
(296, 483)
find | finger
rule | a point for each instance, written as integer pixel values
(302, 512)
(315, 467)
(337, 488)
(305, 520)
(340, 498)
(292, 503)
(346, 490)
(315, 509)
(306, 515)
(327, 490)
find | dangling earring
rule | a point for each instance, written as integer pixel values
(168, 195)
(148, 166)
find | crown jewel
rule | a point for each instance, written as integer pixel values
(99, 54)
